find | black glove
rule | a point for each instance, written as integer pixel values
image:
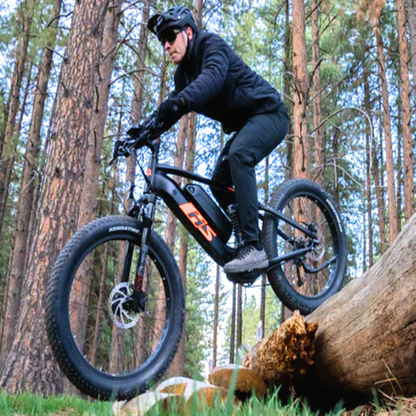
(168, 113)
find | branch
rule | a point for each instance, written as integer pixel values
(58, 17)
(65, 58)
(134, 72)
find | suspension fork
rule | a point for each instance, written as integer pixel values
(148, 213)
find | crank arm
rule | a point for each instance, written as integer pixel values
(287, 257)
(323, 266)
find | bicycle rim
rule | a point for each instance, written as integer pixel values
(112, 339)
(322, 261)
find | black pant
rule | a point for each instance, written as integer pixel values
(235, 166)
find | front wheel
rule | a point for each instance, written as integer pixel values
(305, 282)
(107, 350)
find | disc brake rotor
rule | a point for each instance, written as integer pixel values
(319, 251)
(121, 317)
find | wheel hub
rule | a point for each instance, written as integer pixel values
(119, 305)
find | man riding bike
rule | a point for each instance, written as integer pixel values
(212, 80)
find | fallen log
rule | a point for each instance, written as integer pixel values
(286, 355)
(366, 338)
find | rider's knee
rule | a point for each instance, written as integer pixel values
(240, 156)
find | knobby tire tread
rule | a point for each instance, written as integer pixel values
(286, 190)
(52, 326)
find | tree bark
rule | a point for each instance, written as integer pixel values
(30, 364)
(366, 333)
(12, 292)
(26, 197)
(287, 84)
(216, 313)
(8, 147)
(301, 162)
(368, 171)
(170, 232)
(232, 335)
(178, 364)
(96, 133)
(135, 116)
(399, 176)
(387, 131)
(316, 81)
(408, 172)
(216, 297)
(411, 16)
(239, 337)
(264, 277)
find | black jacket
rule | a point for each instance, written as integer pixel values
(212, 80)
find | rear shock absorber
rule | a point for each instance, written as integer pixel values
(233, 215)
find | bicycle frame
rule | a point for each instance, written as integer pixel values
(158, 183)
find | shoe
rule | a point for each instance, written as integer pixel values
(248, 258)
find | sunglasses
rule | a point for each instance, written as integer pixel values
(169, 36)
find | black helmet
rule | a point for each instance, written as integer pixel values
(179, 17)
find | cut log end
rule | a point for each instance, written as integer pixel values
(287, 354)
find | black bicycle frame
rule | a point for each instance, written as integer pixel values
(160, 184)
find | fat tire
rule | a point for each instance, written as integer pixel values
(76, 368)
(280, 285)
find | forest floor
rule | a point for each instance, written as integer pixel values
(34, 405)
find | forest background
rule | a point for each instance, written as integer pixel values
(75, 75)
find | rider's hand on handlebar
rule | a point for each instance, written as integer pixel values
(168, 113)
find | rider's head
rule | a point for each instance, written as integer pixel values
(175, 29)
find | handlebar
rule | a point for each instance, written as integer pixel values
(138, 136)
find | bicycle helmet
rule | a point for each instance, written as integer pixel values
(175, 17)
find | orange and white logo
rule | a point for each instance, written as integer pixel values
(198, 220)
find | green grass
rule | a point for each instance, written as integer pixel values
(34, 405)
(29, 404)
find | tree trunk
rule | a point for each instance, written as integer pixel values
(26, 197)
(135, 116)
(399, 169)
(387, 131)
(411, 16)
(408, 172)
(379, 196)
(216, 313)
(170, 232)
(366, 333)
(316, 80)
(217, 296)
(239, 337)
(368, 170)
(232, 336)
(335, 155)
(264, 277)
(178, 363)
(30, 364)
(287, 84)
(301, 162)
(96, 134)
(13, 289)
(8, 146)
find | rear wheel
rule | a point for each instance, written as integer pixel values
(307, 281)
(103, 347)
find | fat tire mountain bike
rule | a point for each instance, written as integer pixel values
(115, 302)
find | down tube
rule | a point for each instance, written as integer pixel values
(174, 197)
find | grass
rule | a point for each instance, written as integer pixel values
(34, 405)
